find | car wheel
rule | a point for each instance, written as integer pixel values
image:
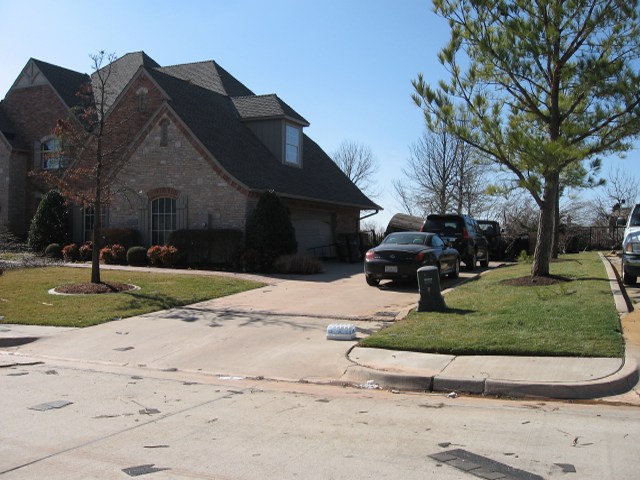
(629, 279)
(456, 270)
(471, 261)
(372, 282)
(485, 263)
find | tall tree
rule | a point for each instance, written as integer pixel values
(545, 84)
(358, 163)
(94, 148)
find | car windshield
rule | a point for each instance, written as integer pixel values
(635, 217)
(487, 228)
(405, 239)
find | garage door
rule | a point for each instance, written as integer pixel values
(313, 230)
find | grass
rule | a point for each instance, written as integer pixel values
(487, 317)
(24, 297)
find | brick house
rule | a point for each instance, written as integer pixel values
(202, 149)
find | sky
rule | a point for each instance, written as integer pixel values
(344, 65)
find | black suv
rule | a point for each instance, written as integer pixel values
(462, 233)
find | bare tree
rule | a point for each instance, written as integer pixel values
(357, 161)
(620, 191)
(442, 175)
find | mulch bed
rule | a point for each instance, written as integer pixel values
(530, 281)
(94, 288)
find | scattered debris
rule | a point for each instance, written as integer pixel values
(444, 444)
(123, 349)
(17, 374)
(567, 467)
(142, 470)
(51, 372)
(341, 331)
(228, 377)
(43, 407)
(47, 304)
(112, 415)
(575, 442)
(370, 385)
(156, 446)
(452, 395)
(170, 369)
(149, 411)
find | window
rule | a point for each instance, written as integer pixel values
(292, 145)
(51, 154)
(88, 216)
(164, 132)
(142, 99)
(163, 219)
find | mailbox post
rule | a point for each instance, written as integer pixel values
(429, 285)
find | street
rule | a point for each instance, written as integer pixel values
(122, 423)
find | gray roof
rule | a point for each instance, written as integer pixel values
(66, 82)
(257, 107)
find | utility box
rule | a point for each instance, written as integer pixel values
(431, 298)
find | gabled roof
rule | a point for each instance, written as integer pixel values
(213, 118)
(262, 107)
(122, 71)
(64, 81)
(208, 75)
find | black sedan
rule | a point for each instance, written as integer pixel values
(401, 254)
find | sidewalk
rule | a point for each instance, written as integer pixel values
(278, 332)
(549, 377)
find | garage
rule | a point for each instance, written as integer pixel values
(314, 232)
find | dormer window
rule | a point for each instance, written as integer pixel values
(142, 99)
(51, 154)
(292, 145)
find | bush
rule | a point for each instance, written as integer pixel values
(53, 250)
(137, 256)
(169, 256)
(207, 247)
(153, 254)
(113, 254)
(70, 252)
(269, 230)
(127, 237)
(86, 251)
(302, 264)
(163, 255)
(50, 222)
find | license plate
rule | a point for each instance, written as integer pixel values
(390, 269)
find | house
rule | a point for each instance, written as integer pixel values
(201, 150)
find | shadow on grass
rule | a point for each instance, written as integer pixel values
(160, 301)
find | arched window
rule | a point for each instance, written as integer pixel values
(51, 154)
(88, 217)
(163, 219)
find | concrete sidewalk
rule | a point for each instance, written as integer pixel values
(278, 332)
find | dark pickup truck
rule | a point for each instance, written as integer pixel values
(492, 232)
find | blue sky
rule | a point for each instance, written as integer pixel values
(346, 66)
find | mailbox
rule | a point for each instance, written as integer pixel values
(431, 298)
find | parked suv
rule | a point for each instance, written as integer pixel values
(462, 233)
(631, 248)
(492, 232)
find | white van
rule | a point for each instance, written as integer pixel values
(631, 248)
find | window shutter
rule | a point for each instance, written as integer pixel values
(181, 212)
(143, 220)
(37, 154)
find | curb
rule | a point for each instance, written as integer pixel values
(619, 382)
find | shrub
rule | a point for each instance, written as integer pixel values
(269, 230)
(113, 254)
(127, 237)
(53, 250)
(153, 254)
(303, 264)
(70, 252)
(50, 222)
(250, 260)
(86, 251)
(137, 256)
(207, 247)
(163, 255)
(169, 256)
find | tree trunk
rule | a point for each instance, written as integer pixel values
(97, 243)
(555, 250)
(542, 255)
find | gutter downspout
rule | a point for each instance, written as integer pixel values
(370, 215)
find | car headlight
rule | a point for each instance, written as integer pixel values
(631, 243)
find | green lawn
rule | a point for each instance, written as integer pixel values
(487, 317)
(24, 298)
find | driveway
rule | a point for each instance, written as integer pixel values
(275, 332)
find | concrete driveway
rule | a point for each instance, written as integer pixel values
(275, 332)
